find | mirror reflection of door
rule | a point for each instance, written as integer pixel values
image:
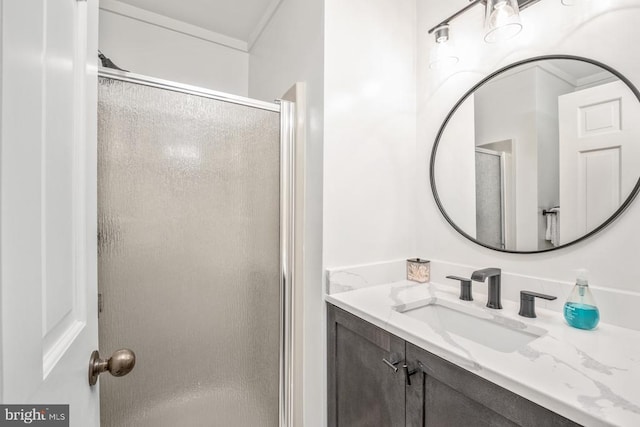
(597, 125)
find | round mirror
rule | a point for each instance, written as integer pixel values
(539, 155)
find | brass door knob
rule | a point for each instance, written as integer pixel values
(119, 364)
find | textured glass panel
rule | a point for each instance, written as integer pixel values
(488, 199)
(188, 258)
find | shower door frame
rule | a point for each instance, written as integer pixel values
(502, 162)
(287, 213)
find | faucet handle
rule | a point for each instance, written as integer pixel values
(528, 302)
(465, 287)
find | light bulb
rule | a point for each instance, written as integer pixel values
(502, 20)
(443, 54)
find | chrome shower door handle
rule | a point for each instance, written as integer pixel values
(119, 364)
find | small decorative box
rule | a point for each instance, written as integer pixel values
(418, 270)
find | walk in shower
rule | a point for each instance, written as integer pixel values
(194, 228)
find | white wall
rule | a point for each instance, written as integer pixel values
(522, 105)
(506, 110)
(155, 51)
(606, 31)
(455, 170)
(369, 136)
(369, 164)
(368, 86)
(290, 49)
(548, 88)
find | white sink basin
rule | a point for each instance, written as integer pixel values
(471, 323)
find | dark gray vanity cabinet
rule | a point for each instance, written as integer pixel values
(443, 394)
(363, 390)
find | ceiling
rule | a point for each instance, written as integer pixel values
(236, 18)
(578, 69)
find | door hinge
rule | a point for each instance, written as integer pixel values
(100, 304)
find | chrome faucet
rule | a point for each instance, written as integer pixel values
(494, 285)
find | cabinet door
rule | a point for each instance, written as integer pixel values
(362, 389)
(443, 394)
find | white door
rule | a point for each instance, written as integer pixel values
(48, 199)
(599, 155)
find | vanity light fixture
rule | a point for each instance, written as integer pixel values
(443, 53)
(502, 18)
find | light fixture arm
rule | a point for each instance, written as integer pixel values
(455, 15)
(522, 4)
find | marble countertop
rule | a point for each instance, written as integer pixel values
(591, 377)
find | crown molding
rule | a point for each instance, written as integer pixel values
(123, 9)
(263, 22)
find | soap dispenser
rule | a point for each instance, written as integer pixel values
(580, 310)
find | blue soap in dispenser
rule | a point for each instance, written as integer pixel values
(580, 310)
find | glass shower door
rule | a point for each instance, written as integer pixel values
(490, 223)
(189, 257)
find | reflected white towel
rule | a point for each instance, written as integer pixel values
(552, 234)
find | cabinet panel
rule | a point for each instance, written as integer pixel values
(445, 394)
(362, 389)
(441, 405)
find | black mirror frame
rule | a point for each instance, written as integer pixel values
(434, 150)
